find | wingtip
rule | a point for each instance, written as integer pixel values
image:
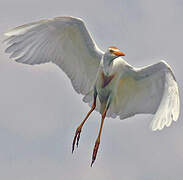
(160, 128)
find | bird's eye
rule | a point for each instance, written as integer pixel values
(111, 50)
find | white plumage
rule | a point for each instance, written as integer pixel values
(66, 42)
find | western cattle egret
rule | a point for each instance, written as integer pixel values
(108, 83)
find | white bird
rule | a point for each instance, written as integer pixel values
(108, 83)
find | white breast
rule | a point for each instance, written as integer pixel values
(117, 66)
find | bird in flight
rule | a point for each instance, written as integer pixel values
(107, 82)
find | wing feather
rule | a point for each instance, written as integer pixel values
(169, 107)
(64, 41)
(149, 90)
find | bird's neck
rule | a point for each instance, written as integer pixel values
(107, 64)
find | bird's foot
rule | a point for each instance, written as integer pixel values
(95, 150)
(76, 138)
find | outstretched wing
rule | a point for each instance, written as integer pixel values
(152, 90)
(64, 41)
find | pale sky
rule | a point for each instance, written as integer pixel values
(39, 110)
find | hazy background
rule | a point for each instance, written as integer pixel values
(39, 110)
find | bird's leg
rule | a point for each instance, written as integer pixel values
(97, 142)
(78, 130)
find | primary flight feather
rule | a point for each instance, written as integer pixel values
(109, 84)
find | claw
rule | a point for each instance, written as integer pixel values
(76, 137)
(95, 150)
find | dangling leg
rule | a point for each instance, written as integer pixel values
(78, 130)
(95, 150)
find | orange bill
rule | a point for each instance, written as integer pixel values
(119, 53)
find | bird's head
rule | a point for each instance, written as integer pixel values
(112, 53)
